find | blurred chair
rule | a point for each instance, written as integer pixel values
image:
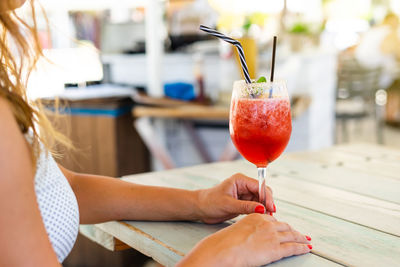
(355, 96)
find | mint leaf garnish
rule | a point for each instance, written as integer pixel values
(262, 79)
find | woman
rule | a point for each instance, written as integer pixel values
(42, 204)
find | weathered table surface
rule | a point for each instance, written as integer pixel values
(347, 198)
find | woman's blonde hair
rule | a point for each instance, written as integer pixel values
(20, 49)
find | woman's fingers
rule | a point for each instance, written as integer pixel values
(269, 201)
(282, 227)
(249, 197)
(269, 218)
(245, 184)
(248, 186)
(292, 236)
(291, 249)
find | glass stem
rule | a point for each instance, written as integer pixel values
(262, 175)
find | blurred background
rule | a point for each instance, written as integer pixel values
(142, 89)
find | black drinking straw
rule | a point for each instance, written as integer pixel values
(273, 65)
(273, 59)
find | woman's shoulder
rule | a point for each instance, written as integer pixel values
(14, 149)
(23, 223)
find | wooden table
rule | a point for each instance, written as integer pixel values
(347, 198)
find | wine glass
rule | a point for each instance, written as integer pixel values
(260, 124)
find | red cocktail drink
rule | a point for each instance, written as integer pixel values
(260, 128)
(260, 124)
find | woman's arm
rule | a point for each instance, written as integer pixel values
(103, 199)
(23, 237)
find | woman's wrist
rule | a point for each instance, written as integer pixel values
(197, 209)
(187, 205)
(201, 206)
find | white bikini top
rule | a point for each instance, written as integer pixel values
(57, 204)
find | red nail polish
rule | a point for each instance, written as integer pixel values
(271, 214)
(259, 209)
(274, 208)
(309, 246)
(308, 238)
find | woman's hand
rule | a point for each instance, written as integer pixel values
(236, 195)
(253, 241)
